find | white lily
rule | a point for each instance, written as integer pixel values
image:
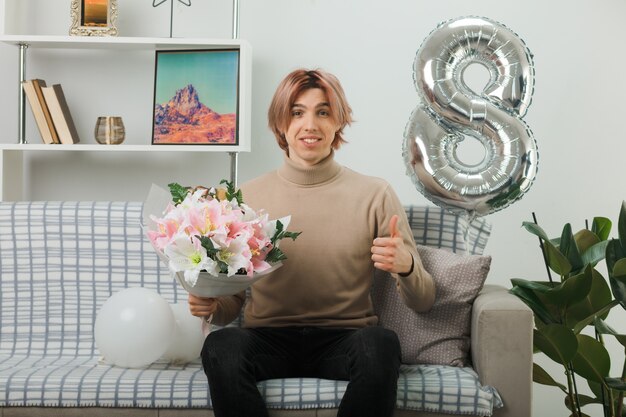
(236, 254)
(187, 254)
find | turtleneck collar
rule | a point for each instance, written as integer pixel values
(319, 173)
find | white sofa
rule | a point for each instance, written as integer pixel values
(60, 261)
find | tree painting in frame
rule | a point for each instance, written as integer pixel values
(93, 17)
(196, 97)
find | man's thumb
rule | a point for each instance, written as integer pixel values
(393, 226)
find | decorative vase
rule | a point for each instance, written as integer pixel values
(109, 130)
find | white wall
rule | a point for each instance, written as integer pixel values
(576, 113)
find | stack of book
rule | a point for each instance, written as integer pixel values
(51, 112)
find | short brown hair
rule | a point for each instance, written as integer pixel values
(279, 113)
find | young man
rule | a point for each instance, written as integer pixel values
(313, 317)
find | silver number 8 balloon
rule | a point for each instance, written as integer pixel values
(449, 112)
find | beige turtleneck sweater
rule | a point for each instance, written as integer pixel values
(327, 277)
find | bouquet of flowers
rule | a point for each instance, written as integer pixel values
(213, 242)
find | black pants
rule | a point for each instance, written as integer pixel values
(234, 359)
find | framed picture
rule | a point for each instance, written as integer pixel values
(93, 17)
(196, 97)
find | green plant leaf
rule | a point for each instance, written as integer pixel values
(572, 290)
(583, 400)
(621, 225)
(541, 286)
(232, 192)
(592, 360)
(540, 376)
(275, 255)
(557, 341)
(556, 260)
(595, 253)
(614, 252)
(601, 227)
(616, 384)
(535, 304)
(604, 328)
(618, 281)
(568, 292)
(598, 297)
(587, 321)
(178, 192)
(595, 387)
(536, 230)
(585, 239)
(569, 249)
(207, 244)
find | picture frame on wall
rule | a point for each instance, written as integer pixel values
(93, 17)
(196, 97)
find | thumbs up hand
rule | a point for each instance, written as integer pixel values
(389, 253)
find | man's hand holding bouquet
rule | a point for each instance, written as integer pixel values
(212, 241)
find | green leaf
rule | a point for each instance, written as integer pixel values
(207, 244)
(178, 192)
(621, 225)
(569, 292)
(598, 297)
(550, 298)
(232, 192)
(535, 304)
(540, 376)
(583, 400)
(595, 387)
(536, 230)
(591, 361)
(291, 235)
(595, 253)
(616, 384)
(557, 341)
(619, 269)
(604, 328)
(614, 252)
(587, 321)
(585, 239)
(275, 255)
(618, 281)
(601, 227)
(556, 260)
(569, 249)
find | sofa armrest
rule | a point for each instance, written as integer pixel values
(502, 348)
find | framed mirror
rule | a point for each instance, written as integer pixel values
(93, 17)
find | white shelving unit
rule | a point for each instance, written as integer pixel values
(12, 155)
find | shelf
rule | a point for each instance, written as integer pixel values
(95, 147)
(119, 42)
(14, 155)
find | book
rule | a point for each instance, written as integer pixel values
(61, 115)
(38, 84)
(37, 106)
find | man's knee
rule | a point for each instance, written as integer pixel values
(379, 342)
(225, 348)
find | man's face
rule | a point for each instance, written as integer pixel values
(312, 128)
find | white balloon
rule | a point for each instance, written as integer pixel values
(188, 337)
(134, 328)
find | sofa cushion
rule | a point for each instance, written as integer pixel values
(438, 228)
(441, 335)
(66, 381)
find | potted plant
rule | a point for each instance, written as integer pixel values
(580, 299)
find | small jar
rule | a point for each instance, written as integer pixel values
(109, 130)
